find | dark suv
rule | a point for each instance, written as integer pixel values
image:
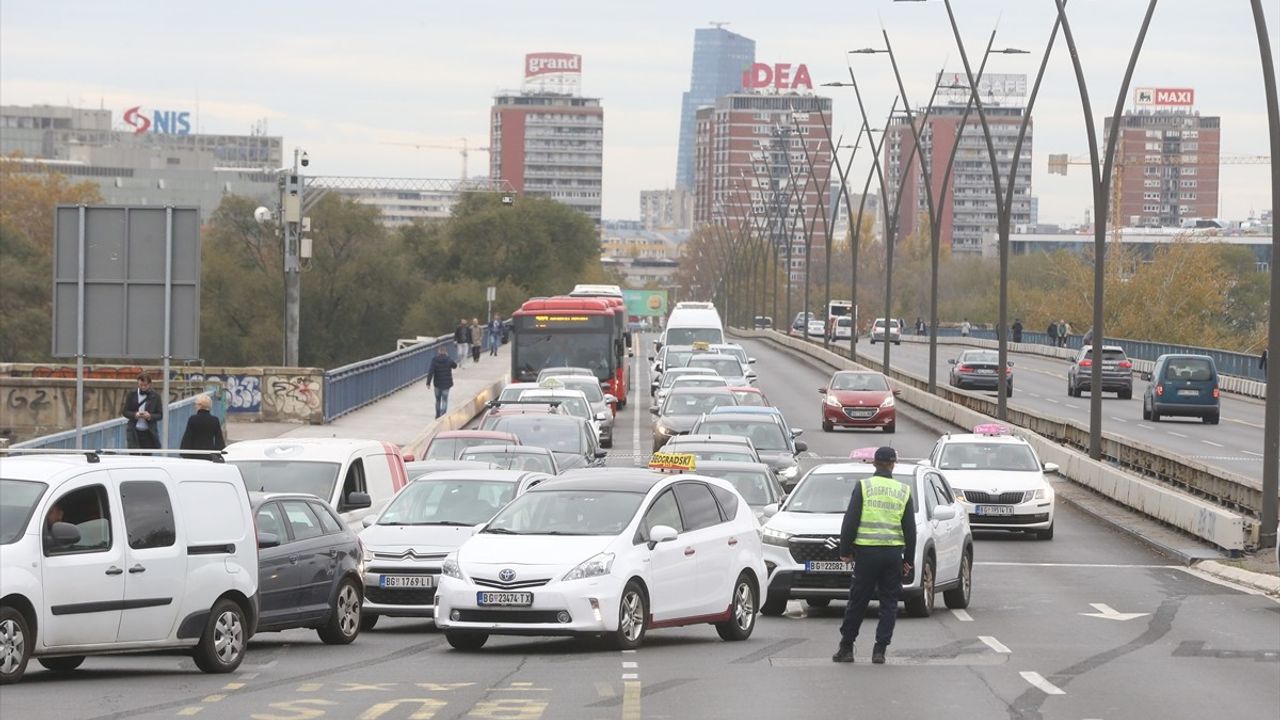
(308, 567)
(1117, 372)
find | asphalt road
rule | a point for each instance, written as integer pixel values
(1026, 648)
(1040, 386)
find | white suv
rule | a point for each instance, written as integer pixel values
(801, 541)
(998, 479)
(886, 331)
(103, 554)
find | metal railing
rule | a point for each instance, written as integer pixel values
(360, 383)
(1229, 363)
(111, 433)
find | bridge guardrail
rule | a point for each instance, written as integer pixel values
(110, 434)
(357, 384)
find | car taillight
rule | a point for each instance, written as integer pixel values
(963, 368)
(1215, 392)
(1086, 363)
(1125, 364)
(1159, 389)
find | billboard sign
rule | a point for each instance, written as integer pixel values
(1164, 97)
(992, 87)
(645, 303)
(165, 122)
(553, 72)
(779, 76)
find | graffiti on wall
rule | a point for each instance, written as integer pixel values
(104, 372)
(244, 392)
(297, 397)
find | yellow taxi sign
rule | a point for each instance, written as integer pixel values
(683, 462)
(702, 345)
(551, 383)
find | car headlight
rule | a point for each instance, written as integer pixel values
(663, 429)
(366, 555)
(832, 400)
(772, 536)
(1044, 493)
(959, 495)
(451, 568)
(592, 567)
(888, 402)
(789, 472)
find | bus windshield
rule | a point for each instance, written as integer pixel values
(551, 341)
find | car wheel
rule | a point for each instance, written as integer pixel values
(891, 427)
(774, 606)
(957, 598)
(607, 443)
(465, 640)
(873, 341)
(922, 604)
(817, 602)
(1210, 419)
(1155, 416)
(1125, 394)
(344, 616)
(62, 665)
(367, 621)
(827, 427)
(742, 611)
(897, 342)
(633, 617)
(15, 645)
(223, 644)
(1046, 534)
(1071, 389)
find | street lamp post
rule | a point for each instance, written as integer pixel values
(292, 188)
(1101, 182)
(823, 188)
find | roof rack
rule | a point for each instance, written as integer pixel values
(94, 456)
(498, 403)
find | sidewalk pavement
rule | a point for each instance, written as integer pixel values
(397, 418)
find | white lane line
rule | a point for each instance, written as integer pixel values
(1145, 426)
(1119, 420)
(1250, 452)
(962, 616)
(1038, 682)
(1035, 395)
(630, 676)
(994, 644)
(1055, 402)
(1004, 563)
(628, 652)
(1210, 442)
(1243, 422)
(1073, 407)
(1177, 434)
(630, 665)
(635, 420)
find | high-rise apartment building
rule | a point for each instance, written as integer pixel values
(1167, 160)
(751, 167)
(720, 57)
(968, 212)
(547, 140)
(670, 209)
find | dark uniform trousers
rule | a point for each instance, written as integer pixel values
(877, 569)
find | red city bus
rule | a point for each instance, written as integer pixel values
(569, 331)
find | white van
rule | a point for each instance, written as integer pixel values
(107, 554)
(692, 322)
(356, 477)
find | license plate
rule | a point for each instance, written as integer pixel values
(406, 581)
(984, 371)
(508, 599)
(820, 566)
(1189, 393)
(994, 510)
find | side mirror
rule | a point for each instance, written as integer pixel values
(952, 361)
(661, 534)
(407, 457)
(358, 501)
(601, 454)
(653, 409)
(609, 399)
(268, 540)
(369, 520)
(652, 359)
(822, 391)
(751, 361)
(769, 510)
(1051, 467)
(797, 432)
(801, 446)
(943, 513)
(897, 392)
(64, 534)
(602, 416)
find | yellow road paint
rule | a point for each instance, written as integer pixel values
(509, 709)
(309, 687)
(605, 690)
(427, 708)
(214, 698)
(364, 687)
(442, 687)
(233, 686)
(188, 711)
(631, 700)
(308, 709)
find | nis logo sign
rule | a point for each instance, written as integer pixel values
(170, 122)
(1167, 97)
(536, 64)
(781, 76)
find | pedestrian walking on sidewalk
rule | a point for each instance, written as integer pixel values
(460, 340)
(477, 337)
(494, 338)
(440, 375)
(880, 527)
(204, 431)
(965, 327)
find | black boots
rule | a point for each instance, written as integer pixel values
(844, 654)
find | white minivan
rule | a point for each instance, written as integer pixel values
(105, 554)
(692, 322)
(356, 477)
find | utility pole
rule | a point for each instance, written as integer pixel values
(291, 197)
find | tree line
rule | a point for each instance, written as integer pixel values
(364, 287)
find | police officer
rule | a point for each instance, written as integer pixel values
(880, 524)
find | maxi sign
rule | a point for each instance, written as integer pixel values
(1166, 97)
(779, 76)
(171, 122)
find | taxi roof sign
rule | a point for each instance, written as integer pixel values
(680, 462)
(702, 345)
(993, 429)
(866, 454)
(551, 383)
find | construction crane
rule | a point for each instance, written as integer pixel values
(1058, 165)
(464, 149)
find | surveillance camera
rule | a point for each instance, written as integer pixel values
(306, 160)
(262, 215)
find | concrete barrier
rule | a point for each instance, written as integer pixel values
(457, 417)
(1221, 526)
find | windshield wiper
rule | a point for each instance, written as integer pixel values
(502, 531)
(561, 532)
(451, 523)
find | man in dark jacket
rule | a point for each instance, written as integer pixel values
(1052, 332)
(144, 410)
(460, 340)
(882, 526)
(203, 432)
(1016, 330)
(440, 374)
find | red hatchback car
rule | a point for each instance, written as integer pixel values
(859, 400)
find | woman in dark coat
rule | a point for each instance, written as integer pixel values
(203, 432)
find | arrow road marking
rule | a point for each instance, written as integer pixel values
(1106, 612)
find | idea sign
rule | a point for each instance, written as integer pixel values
(781, 76)
(1168, 97)
(170, 122)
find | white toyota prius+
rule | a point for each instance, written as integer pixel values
(609, 551)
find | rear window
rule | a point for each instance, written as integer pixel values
(1109, 356)
(1194, 369)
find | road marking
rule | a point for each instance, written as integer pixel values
(962, 616)
(1210, 442)
(1034, 395)
(630, 664)
(1055, 402)
(630, 676)
(994, 644)
(605, 690)
(1250, 452)
(1119, 420)
(628, 652)
(1177, 434)
(427, 708)
(233, 686)
(1073, 407)
(214, 698)
(1106, 612)
(631, 700)
(188, 711)
(1077, 565)
(1244, 422)
(508, 709)
(1038, 682)
(308, 687)
(1145, 427)
(635, 420)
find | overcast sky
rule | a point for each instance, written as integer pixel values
(342, 78)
